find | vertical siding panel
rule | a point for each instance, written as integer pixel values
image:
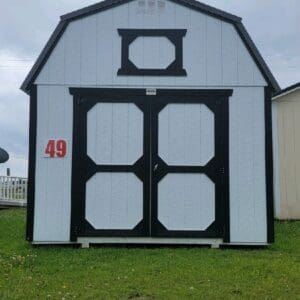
(136, 16)
(67, 164)
(295, 202)
(229, 54)
(276, 162)
(53, 176)
(247, 166)
(72, 38)
(183, 21)
(89, 53)
(245, 65)
(151, 20)
(41, 203)
(105, 46)
(195, 50)
(166, 20)
(120, 20)
(289, 154)
(259, 177)
(214, 53)
(282, 151)
(56, 64)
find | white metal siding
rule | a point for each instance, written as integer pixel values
(89, 52)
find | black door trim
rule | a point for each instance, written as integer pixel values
(83, 167)
(216, 169)
(87, 97)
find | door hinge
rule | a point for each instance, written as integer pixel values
(222, 170)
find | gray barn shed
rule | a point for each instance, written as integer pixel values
(150, 122)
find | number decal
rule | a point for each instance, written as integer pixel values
(50, 148)
(55, 148)
(61, 148)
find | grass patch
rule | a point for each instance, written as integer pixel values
(28, 272)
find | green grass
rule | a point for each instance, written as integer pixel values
(28, 272)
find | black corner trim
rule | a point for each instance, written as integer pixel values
(31, 163)
(175, 36)
(269, 165)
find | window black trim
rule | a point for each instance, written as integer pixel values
(31, 163)
(175, 36)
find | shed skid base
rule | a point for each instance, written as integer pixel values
(215, 243)
(85, 245)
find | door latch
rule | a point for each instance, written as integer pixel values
(155, 167)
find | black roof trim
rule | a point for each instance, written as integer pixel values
(111, 3)
(193, 4)
(287, 89)
(257, 56)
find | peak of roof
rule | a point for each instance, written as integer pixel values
(111, 3)
(107, 4)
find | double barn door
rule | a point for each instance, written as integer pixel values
(150, 165)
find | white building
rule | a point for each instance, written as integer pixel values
(150, 122)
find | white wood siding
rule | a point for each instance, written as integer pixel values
(247, 166)
(53, 175)
(89, 52)
(287, 161)
(248, 221)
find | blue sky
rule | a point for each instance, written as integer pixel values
(25, 26)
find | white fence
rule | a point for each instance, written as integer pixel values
(13, 190)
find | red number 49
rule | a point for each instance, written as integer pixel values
(56, 148)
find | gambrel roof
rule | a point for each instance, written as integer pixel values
(107, 4)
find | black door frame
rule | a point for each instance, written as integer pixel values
(85, 98)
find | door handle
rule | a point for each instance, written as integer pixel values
(155, 167)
